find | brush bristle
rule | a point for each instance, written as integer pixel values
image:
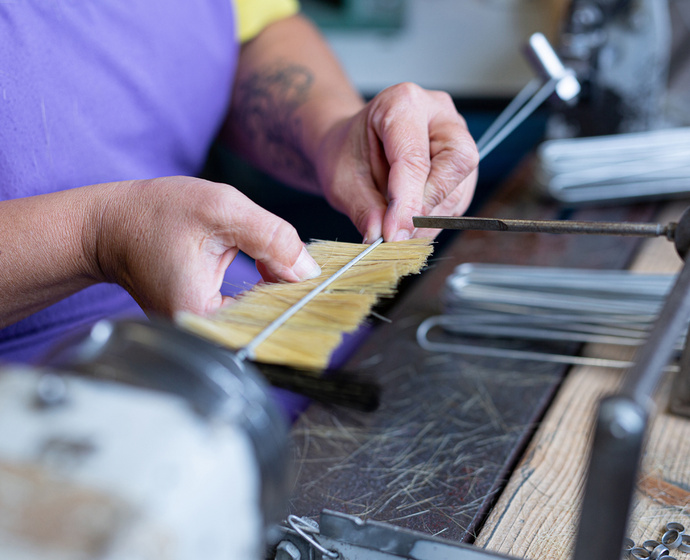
(308, 338)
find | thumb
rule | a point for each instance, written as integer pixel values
(273, 243)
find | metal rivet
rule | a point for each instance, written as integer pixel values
(658, 552)
(639, 553)
(685, 542)
(672, 539)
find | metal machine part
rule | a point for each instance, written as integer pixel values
(553, 78)
(680, 392)
(346, 537)
(549, 66)
(620, 51)
(140, 441)
(620, 431)
(219, 386)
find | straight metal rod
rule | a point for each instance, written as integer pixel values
(509, 112)
(487, 146)
(545, 226)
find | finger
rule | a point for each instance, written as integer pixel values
(356, 190)
(454, 157)
(377, 205)
(271, 241)
(266, 274)
(197, 280)
(455, 204)
(403, 130)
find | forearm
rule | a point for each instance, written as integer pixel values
(46, 251)
(289, 91)
(168, 241)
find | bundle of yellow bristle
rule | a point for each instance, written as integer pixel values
(308, 338)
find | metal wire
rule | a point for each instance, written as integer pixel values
(305, 530)
(650, 164)
(546, 303)
(525, 103)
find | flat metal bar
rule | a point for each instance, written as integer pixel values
(545, 226)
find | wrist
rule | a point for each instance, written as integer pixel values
(101, 236)
(327, 119)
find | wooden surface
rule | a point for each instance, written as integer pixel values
(450, 429)
(536, 515)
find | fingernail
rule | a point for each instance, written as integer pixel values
(402, 235)
(371, 235)
(306, 268)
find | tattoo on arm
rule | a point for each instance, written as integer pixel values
(265, 107)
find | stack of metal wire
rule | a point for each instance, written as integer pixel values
(650, 165)
(499, 302)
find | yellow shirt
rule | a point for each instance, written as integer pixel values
(254, 15)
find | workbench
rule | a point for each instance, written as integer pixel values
(483, 450)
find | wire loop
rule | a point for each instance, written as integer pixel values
(305, 530)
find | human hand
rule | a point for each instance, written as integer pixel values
(407, 152)
(168, 241)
